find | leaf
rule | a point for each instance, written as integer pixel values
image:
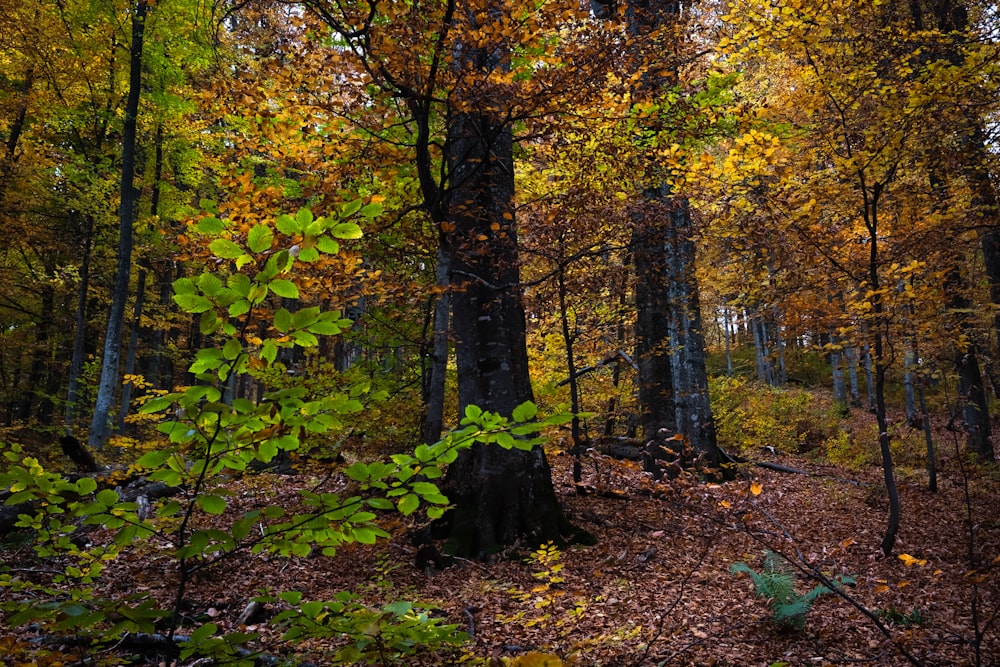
(756, 488)
(283, 320)
(327, 245)
(408, 504)
(210, 225)
(910, 560)
(347, 230)
(524, 412)
(212, 504)
(284, 288)
(303, 218)
(260, 238)
(351, 208)
(192, 303)
(287, 225)
(225, 249)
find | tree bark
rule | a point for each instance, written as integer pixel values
(437, 368)
(687, 343)
(652, 330)
(500, 496)
(100, 425)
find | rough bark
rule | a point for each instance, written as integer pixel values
(652, 345)
(687, 342)
(500, 496)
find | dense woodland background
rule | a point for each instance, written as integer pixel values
(370, 281)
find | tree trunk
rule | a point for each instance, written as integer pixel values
(687, 343)
(436, 374)
(133, 344)
(839, 385)
(501, 497)
(100, 426)
(652, 329)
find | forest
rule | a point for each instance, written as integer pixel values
(497, 333)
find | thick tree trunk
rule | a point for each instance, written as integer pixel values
(100, 425)
(501, 497)
(652, 329)
(687, 343)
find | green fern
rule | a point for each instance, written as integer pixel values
(776, 582)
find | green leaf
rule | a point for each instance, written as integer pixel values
(287, 225)
(525, 412)
(238, 308)
(358, 471)
(209, 322)
(210, 225)
(347, 230)
(259, 238)
(225, 249)
(308, 255)
(303, 217)
(86, 485)
(351, 208)
(210, 284)
(153, 459)
(107, 497)
(192, 303)
(240, 283)
(285, 288)
(185, 286)
(203, 633)
(232, 349)
(408, 504)
(212, 504)
(283, 320)
(327, 245)
(372, 210)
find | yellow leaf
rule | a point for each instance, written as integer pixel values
(756, 488)
(725, 503)
(910, 560)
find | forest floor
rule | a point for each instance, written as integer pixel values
(657, 588)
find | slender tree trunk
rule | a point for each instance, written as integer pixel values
(851, 357)
(574, 386)
(837, 366)
(80, 333)
(100, 426)
(763, 356)
(436, 374)
(727, 333)
(133, 345)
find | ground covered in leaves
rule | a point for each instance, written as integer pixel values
(658, 588)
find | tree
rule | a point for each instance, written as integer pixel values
(670, 346)
(478, 74)
(102, 421)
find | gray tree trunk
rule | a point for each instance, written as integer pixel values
(687, 343)
(434, 389)
(100, 425)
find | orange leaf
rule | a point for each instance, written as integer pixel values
(756, 488)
